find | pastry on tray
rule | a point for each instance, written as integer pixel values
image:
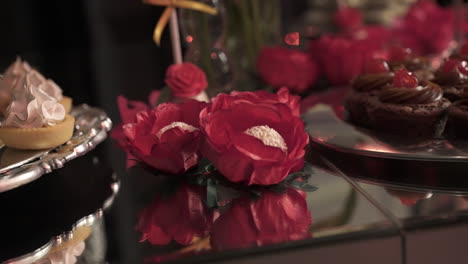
(408, 107)
(453, 78)
(376, 76)
(457, 123)
(15, 75)
(34, 119)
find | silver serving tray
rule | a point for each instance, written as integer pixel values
(88, 220)
(326, 129)
(19, 167)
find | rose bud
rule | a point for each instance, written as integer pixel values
(187, 81)
(253, 141)
(168, 137)
(280, 66)
(273, 218)
(181, 217)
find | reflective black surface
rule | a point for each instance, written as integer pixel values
(35, 213)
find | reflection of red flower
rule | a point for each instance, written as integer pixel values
(181, 218)
(281, 66)
(253, 141)
(186, 80)
(167, 138)
(273, 218)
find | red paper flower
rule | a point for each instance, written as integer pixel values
(348, 18)
(273, 218)
(333, 98)
(280, 66)
(252, 141)
(341, 58)
(186, 80)
(181, 218)
(427, 28)
(128, 110)
(282, 96)
(167, 138)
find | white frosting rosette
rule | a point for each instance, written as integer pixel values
(15, 76)
(32, 106)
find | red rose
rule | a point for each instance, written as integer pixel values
(348, 18)
(342, 58)
(273, 218)
(186, 80)
(427, 28)
(280, 66)
(167, 138)
(251, 141)
(281, 96)
(181, 218)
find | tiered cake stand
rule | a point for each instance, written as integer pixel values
(46, 195)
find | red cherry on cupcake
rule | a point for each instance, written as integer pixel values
(376, 66)
(404, 78)
(398, 53)
(455, 64)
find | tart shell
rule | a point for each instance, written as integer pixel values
(67, 103)
(38, 138)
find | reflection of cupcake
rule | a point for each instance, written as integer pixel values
(376, 75)
(15, 76)
(67, 252)
(403, 58)
(35, 120)
(453, 78)
(408, 107)
(457, 122)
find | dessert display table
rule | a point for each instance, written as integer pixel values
(367, 208)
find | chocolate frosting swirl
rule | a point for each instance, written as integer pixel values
(426, 94)
(372, 81)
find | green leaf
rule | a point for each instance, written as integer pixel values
(211, 194)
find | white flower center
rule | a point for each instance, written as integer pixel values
(182, 125)
(268, 136)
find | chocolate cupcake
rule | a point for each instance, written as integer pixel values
(408, 107)
(377, 75)
(453, 78)
(404, 58)
(457, 123)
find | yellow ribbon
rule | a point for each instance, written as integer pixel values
(171, 5)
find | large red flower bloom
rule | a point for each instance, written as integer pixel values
(273, 218)
(167, 138)
(253, 141)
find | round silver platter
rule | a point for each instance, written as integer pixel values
(19, 167)
(326, 129)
